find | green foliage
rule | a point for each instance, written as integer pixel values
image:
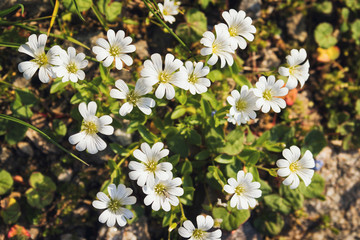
(6, 181)
(41, 192)
(355, 29)
(23, 101)
(270, 223)
(76, 6)
(314, 142)
(315, 189)
(195, 26)
(11, 213)
(324, 35)
(110, 9)
(231, 217)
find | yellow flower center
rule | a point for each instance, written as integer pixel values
(193, 79)
(267, 95)
(89, 127)
(292, 70)
(132, 97)
(151, 166)
(233, 31)
(165, 12)
(114, 51)
(114, 205)
(294, 167)
(41, 59)
(164, 77)
(239, 190)
(160, 189)
(198, 234)
(241, 105)
(215, 48)
(72, 68)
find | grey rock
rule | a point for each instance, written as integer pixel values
(40, 142)
(296, 27)
(245, 231)
(5, 154)
(251, 7)
(25, 148)
(65, 176)
(142, 49)
(21, 82)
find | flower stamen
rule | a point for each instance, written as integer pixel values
(41, 59)
(114, 205)
(241, 105)
(89, 127)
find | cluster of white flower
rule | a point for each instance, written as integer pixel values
(269, 92)
(228, 38)
(266, 95)
(154, 176)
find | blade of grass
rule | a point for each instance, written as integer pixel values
(146, 2)
(16, 120)
(33, 29)
(53, 16)
(99, 17)
(9, 44)
(11, 9)
(77, 10)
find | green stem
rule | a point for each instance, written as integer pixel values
(43, 134)
(33, 29)
(183, 217)
(99, 17)
(169, 29)
(126, 156)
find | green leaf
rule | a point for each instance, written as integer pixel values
(195, 26)
(146, 134)
(314, 142)
(270, 223)
(194, 138)
(315, 189)
(179, 111)
(176, 144)
(224, 159)
(174, 159)
(38, 180)
(186, 168)
(215, 75)
(82, 5)
(42, 192)
(12, 9)
(11, 213)
(110, 9)
(355, 29)
(324, 7)
(216, 173)
(6, 181)
(277, 203)
(234, 142)
(23, 101)
(323, 35)
(203, 155)
(231, 217)
(58, 86)
(59, 128)
(293, 196)
(250, 156)
(15, 133)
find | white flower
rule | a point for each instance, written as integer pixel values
(191, 77)
(242, 105)
(35, 48)
(293, 168)
(149, 167)
(116, 49)
(163, 193)
(153, 73)
(204, 224)
(68, 65)
(88, 138)
(169, 9)
(244, 189)
(268, 92)
(231, 118)
(219, 47)
(115, 211)
(133, 97)
(296, 71)
(239, 27)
